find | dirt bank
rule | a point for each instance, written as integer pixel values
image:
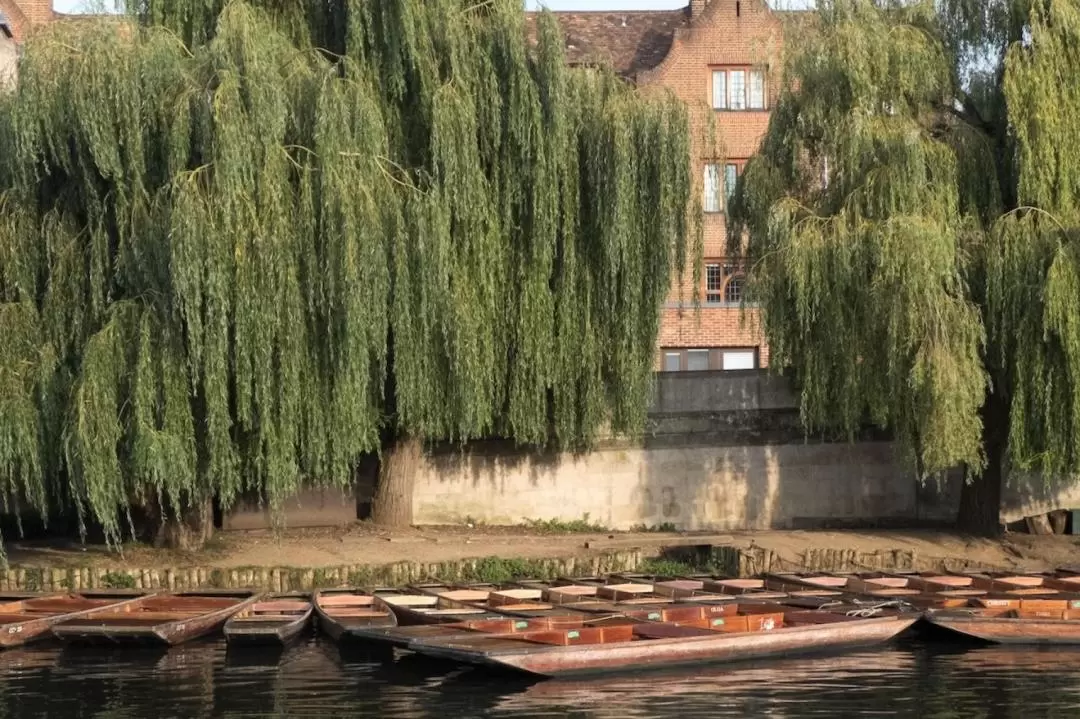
(363, 543)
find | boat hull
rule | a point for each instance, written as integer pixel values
(1001, 630)
(19, 633)
(639, 655)
(267, 636)
(105, 627)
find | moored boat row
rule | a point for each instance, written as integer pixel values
(579, 625)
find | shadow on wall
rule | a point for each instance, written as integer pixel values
(1028, 493)
(723, 451)
(726, 451)
(491, 481)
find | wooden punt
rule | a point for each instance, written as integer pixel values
(1027, 621)
(1034, 584)
(28, 617)
(744, 632)
(352, 614)
(922, 591)
(491, 601)
(403, 636)
(696, 587)
(276, 619)
(158, 619)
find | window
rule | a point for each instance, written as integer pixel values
(738, 89)
(710, 358)
(739, 359)
(757, 90)
(712, 188)
(731, 177)
(725, 283)
(720, 183)
(714, 283)
(719, 89)
(697, 360)
(733, 290)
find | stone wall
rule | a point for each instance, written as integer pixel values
(9, 54)
(723, 451)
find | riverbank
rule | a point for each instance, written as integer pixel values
(302, 559)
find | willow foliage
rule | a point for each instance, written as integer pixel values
(913, 225)
(241, 244)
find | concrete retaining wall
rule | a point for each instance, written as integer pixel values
(781, 486)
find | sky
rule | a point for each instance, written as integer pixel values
(81, 5)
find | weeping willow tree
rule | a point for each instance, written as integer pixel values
(913, 226)
(244, 245)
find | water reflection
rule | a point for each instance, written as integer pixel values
(316, 679)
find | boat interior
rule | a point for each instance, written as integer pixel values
(354, 609)
(22, 610)
(274, 609)
(162, 609)
(1059, 609)
(688, 622)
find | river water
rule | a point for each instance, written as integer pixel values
(316, 679)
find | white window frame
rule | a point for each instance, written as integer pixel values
(754, 83)
(713, 199)
(739, 360)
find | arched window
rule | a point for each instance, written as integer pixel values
(734, 288)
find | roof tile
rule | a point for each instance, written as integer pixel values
(629, 42)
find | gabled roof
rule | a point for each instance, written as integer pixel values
(629, 42)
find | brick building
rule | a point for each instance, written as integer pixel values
(17, 18)
(723, 58)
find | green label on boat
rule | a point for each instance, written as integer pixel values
(521, 625)
(718, 622)
(654, 615)
(573, 635)
(1075, 604)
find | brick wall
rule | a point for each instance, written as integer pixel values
(742, 33)
(24, 14)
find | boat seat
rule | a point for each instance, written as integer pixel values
(463, 610)
(356, 613)
(669, 631)
(411, 600)
(282, 606)
(332, 600)
(148, 616)
(255, 618)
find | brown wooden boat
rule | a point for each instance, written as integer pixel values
(164, 619)
(275, 619)
(402, 636)
(717, 585)
(352, 614)
(922, 591)
(745, 632)
(28, 617)
(1028, 621)
(524, 600)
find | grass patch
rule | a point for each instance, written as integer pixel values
(118, 580)
(668, 568)
(562, 526)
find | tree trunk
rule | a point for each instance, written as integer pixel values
(392, 505)
(191, 530)
(980, 496)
